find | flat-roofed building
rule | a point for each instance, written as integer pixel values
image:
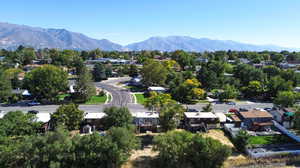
(146, 121)
(200, 121)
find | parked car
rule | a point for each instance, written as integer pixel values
(259, 109)
(231, 103)
(243, 109)
(33, 103)
(33, 111)
(233, 110)
(268, 109)
(192, 110)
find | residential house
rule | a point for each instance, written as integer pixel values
(256, 120)
(236, 120)
(200, 121)
(284, 116)
(146, 121)
(94, 120)
(156, 89)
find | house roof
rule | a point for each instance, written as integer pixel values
(156, 88)
(256, 114)
(235, 118)
(43, 117)
(146, 115)
(94, 115)
(200, 115)
(222, 117)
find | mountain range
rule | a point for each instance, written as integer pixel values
(12, 35)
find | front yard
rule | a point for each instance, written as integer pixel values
(97, 100)
(140, 98)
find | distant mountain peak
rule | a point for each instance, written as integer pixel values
(171, 43)
(13, 35)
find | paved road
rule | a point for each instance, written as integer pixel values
(120, 96)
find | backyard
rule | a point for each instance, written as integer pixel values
(270, 139)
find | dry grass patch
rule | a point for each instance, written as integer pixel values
(220, 136)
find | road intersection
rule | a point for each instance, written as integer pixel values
(123, 97)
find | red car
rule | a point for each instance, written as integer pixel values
(233, 110)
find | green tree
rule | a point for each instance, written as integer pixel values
(170, 116)
(207, 152)
(99, 72)
(184, 149)
(84, 88)
(154, 73)
(133, 70)
(241, 140)
(13, 75)
(156, 101)
(125, 139)
(271, 71)
(67, 115)
(277, 84)
(46, 82)
(277, 57)
(117, 117)
(254, 89)
(184, 59)
(188, 91)
(16, 123)
(5, 88)
(229, 92)
(285, 99)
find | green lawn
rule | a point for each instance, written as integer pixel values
(140, 98)
(61, 97)
(260, 140)
(270, 139)
(97, 100)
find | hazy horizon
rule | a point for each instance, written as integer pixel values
(129, 21)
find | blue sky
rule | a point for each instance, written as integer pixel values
(125, 21)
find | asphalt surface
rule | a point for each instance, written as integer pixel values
(120, 96)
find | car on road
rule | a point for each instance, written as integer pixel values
(231, 103)
(33, 103)
(33, 111)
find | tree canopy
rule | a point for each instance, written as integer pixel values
(184, 149)
(117, 117)
(68, 115)
(46, 82)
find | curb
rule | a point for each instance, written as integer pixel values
(107, 99)
(134, 98)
